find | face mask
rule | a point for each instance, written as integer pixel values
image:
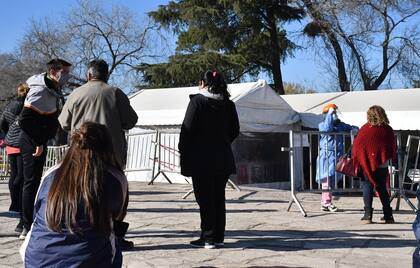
(62, 78)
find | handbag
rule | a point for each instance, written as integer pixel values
(346, 166)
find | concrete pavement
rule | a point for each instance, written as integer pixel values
(260, 233)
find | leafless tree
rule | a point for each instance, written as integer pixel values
(371, 35)
(12, 72)
(86, 32)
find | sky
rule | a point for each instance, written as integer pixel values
(15, 15)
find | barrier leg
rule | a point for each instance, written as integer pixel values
(289, 206)
(413, 207)
(397, 206)
(166, 177)
(234, 186)
(187, 194)
(296, 200)
(398, 195)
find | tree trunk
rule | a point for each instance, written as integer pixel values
(275, 52)
(326, 28)
(341, 68)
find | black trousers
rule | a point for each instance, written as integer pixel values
(209, 192)
(32, 173)
(15, 181)
(380, 176)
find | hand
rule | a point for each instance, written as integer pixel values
(38, 151)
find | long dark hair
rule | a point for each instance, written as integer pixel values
(80, 181)
(215, 83)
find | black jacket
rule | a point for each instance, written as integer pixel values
(39, 127)
(8, 122)
(209, 128)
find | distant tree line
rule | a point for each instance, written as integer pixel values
(360, 43)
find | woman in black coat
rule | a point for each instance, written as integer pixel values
(11, 129)
(208, 130)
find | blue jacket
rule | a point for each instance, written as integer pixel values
(48, 248)
(331, 148)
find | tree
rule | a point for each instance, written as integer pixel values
(12, 72)
(365, 32)
(295, 88)
(86, 32)
(240, 38)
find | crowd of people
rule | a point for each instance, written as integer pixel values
(69, 211)
(372, 152)
(66, 216)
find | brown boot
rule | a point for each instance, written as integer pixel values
(367, 218)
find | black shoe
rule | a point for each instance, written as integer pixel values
(219, 244)
(389, 220)
(125, 244)
(24, 233)
(201, 243)
(19, 228)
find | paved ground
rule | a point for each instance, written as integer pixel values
(260, 233)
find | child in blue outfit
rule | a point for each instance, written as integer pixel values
(330, 149)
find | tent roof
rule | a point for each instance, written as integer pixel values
(402, 106)
(259, 108)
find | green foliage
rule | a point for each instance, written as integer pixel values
(239, 38)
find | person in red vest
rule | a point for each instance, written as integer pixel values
(373, 149)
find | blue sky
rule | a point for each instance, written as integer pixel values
(15, 16)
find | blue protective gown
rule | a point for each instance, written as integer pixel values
(331, 148)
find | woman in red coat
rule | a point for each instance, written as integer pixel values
(373, 149)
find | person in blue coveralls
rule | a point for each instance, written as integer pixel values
(330, 149)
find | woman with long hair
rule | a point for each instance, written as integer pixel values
(11, 129)
(209, 127)
(76, 205)
(373, 149)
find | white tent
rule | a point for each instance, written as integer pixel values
(259, 108)
(401, 105)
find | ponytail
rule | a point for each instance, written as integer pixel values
(215, 83)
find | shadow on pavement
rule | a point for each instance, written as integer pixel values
(195, 210)
(285, 240)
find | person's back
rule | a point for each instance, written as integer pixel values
(98, 102)
(73, 214)
(209, 127)
(88, 248)
(210, 141)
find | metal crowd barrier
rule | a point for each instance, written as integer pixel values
(168, 158)
(410, 172)
(54, 155)
(4, 164)
(155, 151)
(141, 149)
(301, 184)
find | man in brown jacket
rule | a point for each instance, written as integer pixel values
(98, 102)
